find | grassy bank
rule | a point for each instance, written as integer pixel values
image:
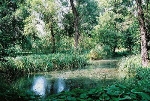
(39, 63)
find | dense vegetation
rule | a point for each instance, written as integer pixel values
(39, 63)
(48, 35)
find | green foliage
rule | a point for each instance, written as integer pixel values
(131, 38)
(38, 63)
(86, 43)
(97, 53)
(12, 14)
(64, 44)
(115, 28)
(68, 24)
(107, 34)
(129, 65)
(122, 52)
(88, 11)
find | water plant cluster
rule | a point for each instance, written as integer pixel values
(39, 63)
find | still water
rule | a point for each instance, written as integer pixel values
(41, 84)
(45, 84)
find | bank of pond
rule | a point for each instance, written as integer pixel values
(73, 78)
(42, 63)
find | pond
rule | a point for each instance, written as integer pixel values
(41, 84)
(44, 84)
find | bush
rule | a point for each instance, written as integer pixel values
(100, 52)
(129, 65)
(97, 53)
(36, 63)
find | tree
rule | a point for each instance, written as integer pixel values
(68, 24)
(108, 30)
(40, 26)
(143, 32)
(49, 13)
(76, 23)
(131, 39)
(82, 19)
(11, 24)
(147, 21)
(89, 12)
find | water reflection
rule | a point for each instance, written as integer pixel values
(59, 85)
(42, 86)
(39, 85)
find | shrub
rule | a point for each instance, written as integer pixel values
(129, 65)
(96, 53)
(36, 63)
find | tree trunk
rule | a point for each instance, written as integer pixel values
(53, 38)
(76, 24)
(143, 31)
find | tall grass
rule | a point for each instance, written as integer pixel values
(38, 63)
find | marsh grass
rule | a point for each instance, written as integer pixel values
(43, 63)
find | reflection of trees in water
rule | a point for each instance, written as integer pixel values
(39, 86)
(42, 87)
(59, 85)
